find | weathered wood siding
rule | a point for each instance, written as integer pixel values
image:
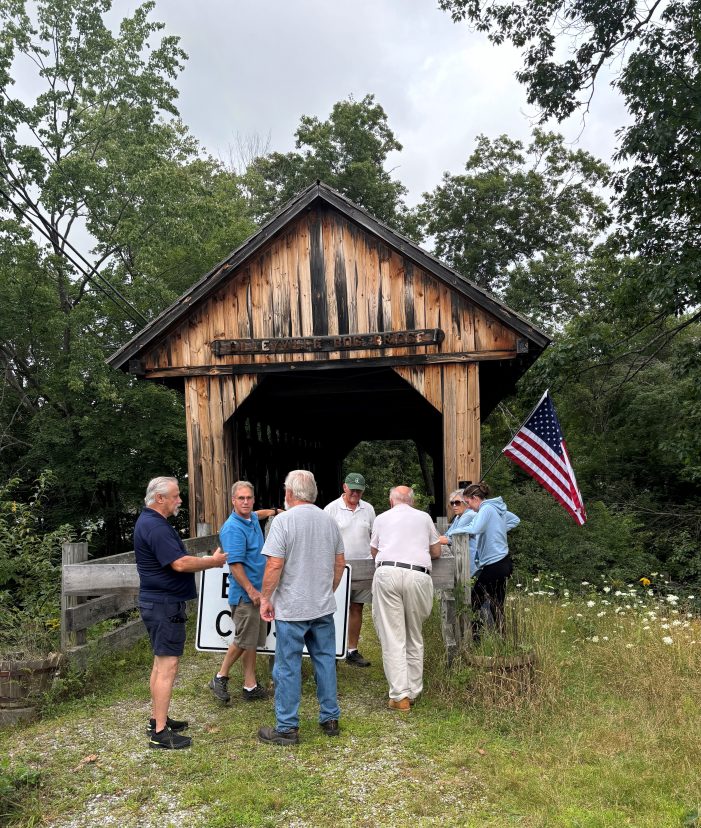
(453, 389)
(325, 276)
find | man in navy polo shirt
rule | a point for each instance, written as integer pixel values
(167, 581)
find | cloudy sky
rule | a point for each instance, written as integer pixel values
(256, 66)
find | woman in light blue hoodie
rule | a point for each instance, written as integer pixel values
(493, 563)
(462, 516)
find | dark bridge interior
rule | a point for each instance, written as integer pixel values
(313, 419)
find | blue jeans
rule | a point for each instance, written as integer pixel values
(320, 637)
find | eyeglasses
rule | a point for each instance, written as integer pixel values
(457, 502)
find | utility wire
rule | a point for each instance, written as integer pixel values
(90, 273)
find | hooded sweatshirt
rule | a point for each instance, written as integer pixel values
(490, 526)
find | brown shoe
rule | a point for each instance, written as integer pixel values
(399, 704)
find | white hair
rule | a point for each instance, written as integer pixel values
(302, 485)
(158, 486)
(396, 496)
(242, 484)
(456, 495)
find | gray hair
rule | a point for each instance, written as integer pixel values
(158, 486)
(242, 484)
(302, 485)
(395, 496)
(457, 494)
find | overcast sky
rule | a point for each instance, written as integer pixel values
(256, 66)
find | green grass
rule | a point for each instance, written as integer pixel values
(606, 736)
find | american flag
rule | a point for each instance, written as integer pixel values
(538, 447)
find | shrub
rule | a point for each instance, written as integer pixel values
(30, 570)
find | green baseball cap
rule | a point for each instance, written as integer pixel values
(355, 481)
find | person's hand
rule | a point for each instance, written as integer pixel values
(218, 558)
(255, 596)
(267, 612)
(444, 540)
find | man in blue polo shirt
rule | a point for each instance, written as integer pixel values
(167, 581)
(242, 540)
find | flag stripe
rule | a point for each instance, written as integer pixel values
(534, 468)
(549, 463)
(539, 449)
(566, 505)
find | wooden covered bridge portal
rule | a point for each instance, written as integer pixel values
(323, 329)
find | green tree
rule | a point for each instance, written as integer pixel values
(348, 151)
(521, 222)
(113, 188)
(654, 53)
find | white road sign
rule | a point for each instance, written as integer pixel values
(215, 627)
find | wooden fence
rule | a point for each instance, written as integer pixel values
(96, 590)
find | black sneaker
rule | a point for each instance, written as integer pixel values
(167, 740)
(330, 727)
(258, 692)
(279, 737)
(174, 724)
(353, 657)
(218, 686)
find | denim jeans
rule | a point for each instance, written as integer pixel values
(319, 636)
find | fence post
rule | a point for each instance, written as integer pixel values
(71, 553)
(463, 612)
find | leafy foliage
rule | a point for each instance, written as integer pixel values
(388, 463)
(30, 569)
(348, 152)
(521, 222)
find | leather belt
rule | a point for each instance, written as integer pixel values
(401, 565)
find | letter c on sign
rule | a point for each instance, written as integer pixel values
(223, 614)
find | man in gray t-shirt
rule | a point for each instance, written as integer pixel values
(305, 564)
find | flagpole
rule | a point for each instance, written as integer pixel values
(501, 453)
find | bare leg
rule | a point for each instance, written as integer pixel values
(355, 622)
(232, 656)
(163, 675)
(249, 668)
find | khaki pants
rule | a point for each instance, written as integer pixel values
(402, 600)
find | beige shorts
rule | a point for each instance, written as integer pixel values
(250, 630)
(361, 596)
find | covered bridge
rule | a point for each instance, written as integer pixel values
(323, 329)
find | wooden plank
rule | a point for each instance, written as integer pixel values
(450, 435)
(99, 609)
(121, 558)
(120, 639)
(385, 295)
(320, 316)
(442, 573)
(369, 361)
(328, 242)
(194, 452)
(433, 385)
(461, 591)
(71, 553)
(82, 579)
(305, 280)
(474, 450)
(291, 253)
(219, 508)
(350, 264)
(462, 431)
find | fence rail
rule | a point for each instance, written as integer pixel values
(97, 590)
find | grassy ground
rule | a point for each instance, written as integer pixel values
(606, 735)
